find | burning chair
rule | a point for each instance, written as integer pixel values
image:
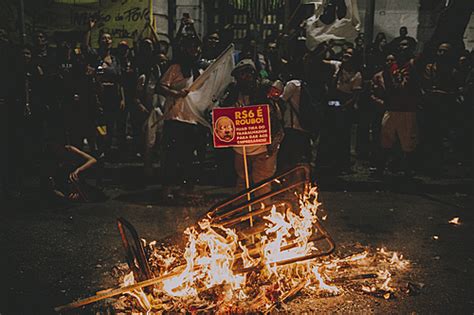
(282, 196)
(248, 214)
(268, 226)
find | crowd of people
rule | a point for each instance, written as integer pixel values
(409, 111)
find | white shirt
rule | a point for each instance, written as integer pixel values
(292, 95)
(175, 107)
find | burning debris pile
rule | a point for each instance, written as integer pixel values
(369, 272)
(251, 253)
(217, 272)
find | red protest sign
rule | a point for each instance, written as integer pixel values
(241, 126)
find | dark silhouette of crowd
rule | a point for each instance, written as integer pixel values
(382, 105)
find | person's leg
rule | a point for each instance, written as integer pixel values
(109, 119)
(263, 167)
(200, 146)
(407, 131)
(225, 167)
(363, 141)
(188, 144)
(303, 155)
(344, 156)
(111, 106)
(432, 136)
(326, 139)
(169, 166)
(285, 153)
(121, 123)
(300, 148)
(387, 139)
(376, 126)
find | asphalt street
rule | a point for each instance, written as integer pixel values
(54, 255)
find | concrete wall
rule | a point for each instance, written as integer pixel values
(160, 12)
(390, 15)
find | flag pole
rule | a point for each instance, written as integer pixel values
(150, 9)
(247, 182)
(209, 70)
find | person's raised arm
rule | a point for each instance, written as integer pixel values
(87, 37)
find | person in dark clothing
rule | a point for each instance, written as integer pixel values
(359, 52)
(109, 73)
(211, 48)
(342, 96)
(181, 132)
(146, 88)
(49, 112)
(246, 91)
(128, 82)
(296, 146)
(81, 104)
(43, 55)
(440, 107)
(23, 99)
(66, 58)
(377, 54)
(397, 89)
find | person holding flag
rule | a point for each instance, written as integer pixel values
(181, 131)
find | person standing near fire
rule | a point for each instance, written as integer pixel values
(109, 74)
(441, 85)
(397, 89)
(343, 92)
(181, 131)
(246, 91)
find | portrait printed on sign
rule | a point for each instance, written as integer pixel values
(224, 129)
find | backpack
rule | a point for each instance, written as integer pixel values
(310, 111)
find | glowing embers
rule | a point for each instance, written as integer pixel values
(215, 256)
(367, 272)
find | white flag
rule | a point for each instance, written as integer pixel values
(210, 85)
(346, 27)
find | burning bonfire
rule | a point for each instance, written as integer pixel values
(251, 254)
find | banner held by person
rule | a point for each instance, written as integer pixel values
(210, 85)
